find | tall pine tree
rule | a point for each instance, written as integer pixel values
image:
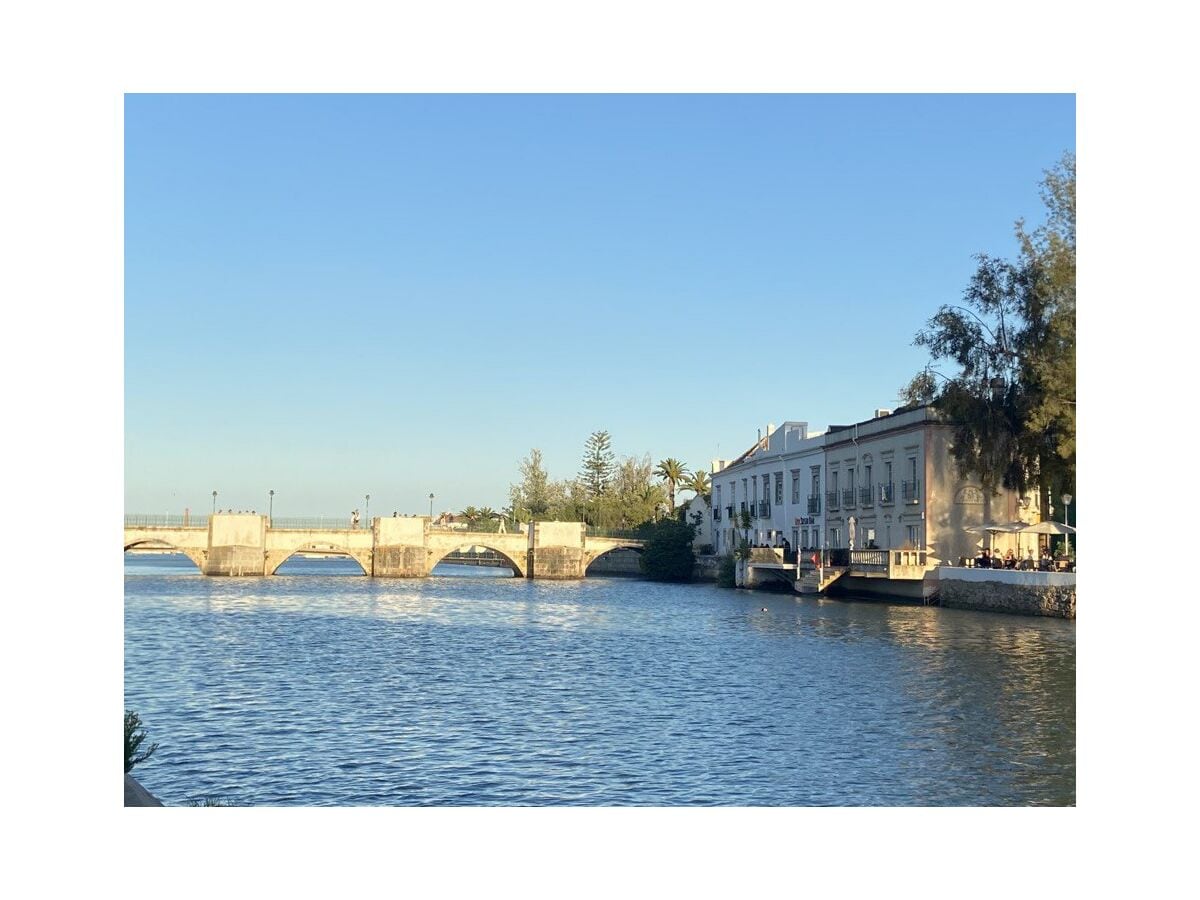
(598, 464)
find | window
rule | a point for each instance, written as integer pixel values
(835, 537)
(795, 487)
(779, 488)
(913, 535)
(866, 476)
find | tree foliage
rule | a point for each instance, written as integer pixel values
(629, 494)
(598, 463)
(667, 553)
(672, 471)
(135, 735)
(1012, 400)
(532, 495)
(699, 483)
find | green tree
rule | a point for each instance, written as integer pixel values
(672, 471)
(135, 735)
(1012, 400)
(667, 553)
(598, 464)
(533, 493)
(488, 519)
(698, 482)
(471, 514)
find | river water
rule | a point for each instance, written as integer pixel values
(467, 688)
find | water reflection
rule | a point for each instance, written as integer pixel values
(486, 690)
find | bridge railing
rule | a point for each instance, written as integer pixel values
(316, 523)
(165, 520)
(619, 533)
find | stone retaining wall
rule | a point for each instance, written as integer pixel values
(1023, 593)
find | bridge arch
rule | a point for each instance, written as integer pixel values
(592, 557)
(196, 556)
(276, 558)
(518, 567)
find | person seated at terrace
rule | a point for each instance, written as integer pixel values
(1047, 561)
(985, 559)
(1010, 560)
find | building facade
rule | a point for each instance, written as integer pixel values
(777, 483)
(888, 482)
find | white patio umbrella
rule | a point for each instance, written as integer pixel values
(1048, 528)
(994, 528)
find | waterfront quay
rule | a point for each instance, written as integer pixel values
(246, 544)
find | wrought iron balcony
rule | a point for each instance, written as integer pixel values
(831, 499)
(865, 496)
(887, 492)
(847, 496)
(910, 491)
(814, 506)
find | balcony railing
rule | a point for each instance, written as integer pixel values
(887, 492)
(865, 497)
(847, 497)
(831, 499)
(910, 491)
(814, 506)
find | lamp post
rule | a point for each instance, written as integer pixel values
(270, 506)
(214, 503)
(431, 506)
(1066, 499)
(367, 498)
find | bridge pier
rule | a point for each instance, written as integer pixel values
(401, 547)
(236, 545)
(556, 550)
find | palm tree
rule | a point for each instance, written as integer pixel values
(671, 471)
(471, 514)
(488, 517)
(699, 483)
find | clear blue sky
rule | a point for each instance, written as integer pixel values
(339, 295)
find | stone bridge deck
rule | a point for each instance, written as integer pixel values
(245, 544)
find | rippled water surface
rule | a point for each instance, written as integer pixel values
(315, 688)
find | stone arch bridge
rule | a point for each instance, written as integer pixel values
(246, 544)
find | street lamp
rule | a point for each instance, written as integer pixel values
(270, 506)
(431, 506)
(368, 509)
(1066, 499)
(214, 503)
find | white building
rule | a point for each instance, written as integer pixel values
(883, 483)
(777, 483)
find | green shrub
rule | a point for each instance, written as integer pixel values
(727, 573)
(667, 553)
(134, 736)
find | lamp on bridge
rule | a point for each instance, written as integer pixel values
(431, 506)
(214, 503)
(367, 498)
(270, 505)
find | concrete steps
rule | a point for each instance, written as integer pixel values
(809, 583)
